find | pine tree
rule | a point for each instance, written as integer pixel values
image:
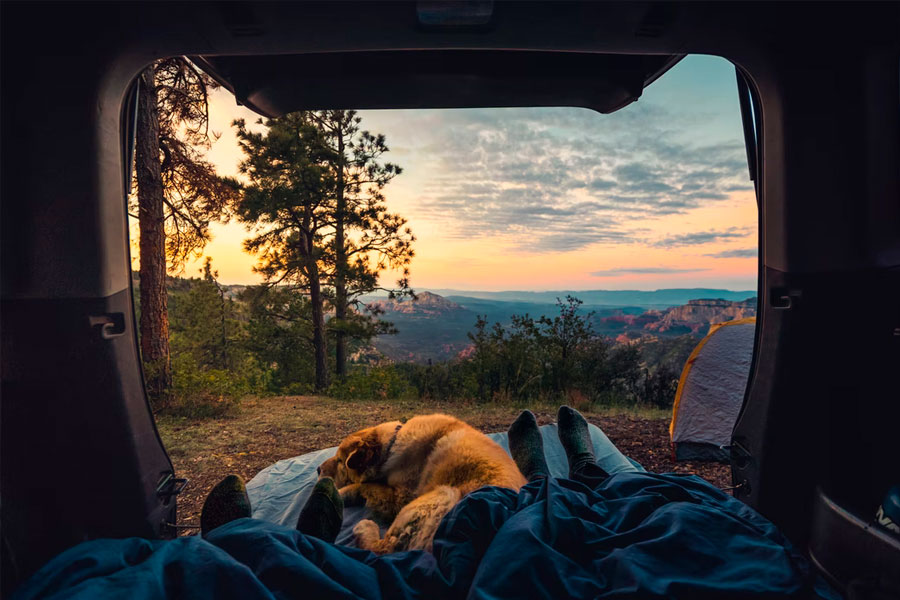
(367, 239)
(154, 323)
(211, 278)
(287, 210)
(316, 208)
(178, 195)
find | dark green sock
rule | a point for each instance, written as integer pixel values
(225, 503)
(527, 446)
(323, 513)
(575, 437)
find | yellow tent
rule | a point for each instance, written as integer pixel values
(711, 391)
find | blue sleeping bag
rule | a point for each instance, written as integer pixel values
(637, 535)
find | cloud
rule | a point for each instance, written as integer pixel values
(700, 237)
(735, 253)
(561, 179)
(601, 184)
(643, 271)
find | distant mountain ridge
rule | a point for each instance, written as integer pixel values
(655, 298)
(428, 328)
(698, 315)
(425, 303)
(434, 328)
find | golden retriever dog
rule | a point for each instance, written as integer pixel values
(414, 473)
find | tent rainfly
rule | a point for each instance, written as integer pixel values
(711, 391)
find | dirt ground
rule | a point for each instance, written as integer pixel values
(267, 430)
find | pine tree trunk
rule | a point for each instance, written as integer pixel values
(154, 323)
(222, 323)
(316, 300)
(340, 279)
(318, 326)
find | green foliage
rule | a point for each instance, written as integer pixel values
(659, 386)
(279, 335)
(287, 208)
(548, 358)
(260, 342)
(557, 359)
(374, 383)
(285, 202)
(205, 324)
(224, 348)
(454, 380)
(203, 392)
(212, 367)
(665, 358)
(669, 353)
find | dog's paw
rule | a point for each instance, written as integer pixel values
(365, 527)
(367, 534)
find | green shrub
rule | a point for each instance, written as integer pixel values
(659, 387)
(455, 380)
(201, 392)
(373, 383)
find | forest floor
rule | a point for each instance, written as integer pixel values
(266, 430)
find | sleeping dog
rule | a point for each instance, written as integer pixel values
(413, 473)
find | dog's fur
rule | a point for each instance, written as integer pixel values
(434, 461)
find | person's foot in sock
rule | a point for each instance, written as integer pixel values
(575, 438)
(226, 502)
(527, 446)
(323, 513)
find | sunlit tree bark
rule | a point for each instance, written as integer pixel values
(178, 196)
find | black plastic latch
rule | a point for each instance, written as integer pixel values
(740, 457)
(111, 325)
(784, 299)
(170, 486)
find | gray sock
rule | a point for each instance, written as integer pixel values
(226, 502)
(323, 513)
(527, 446)
(575, 437)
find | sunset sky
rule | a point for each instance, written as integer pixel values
(656, 195)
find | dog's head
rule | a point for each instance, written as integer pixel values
(360, 456)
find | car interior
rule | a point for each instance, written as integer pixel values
(814, 449)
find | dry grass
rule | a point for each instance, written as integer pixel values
(270, 429)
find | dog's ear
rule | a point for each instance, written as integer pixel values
(365, 454)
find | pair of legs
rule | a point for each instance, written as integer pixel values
(322, 514)
(527, 447)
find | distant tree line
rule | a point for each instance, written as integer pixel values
(558, 358)
(260, 342)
